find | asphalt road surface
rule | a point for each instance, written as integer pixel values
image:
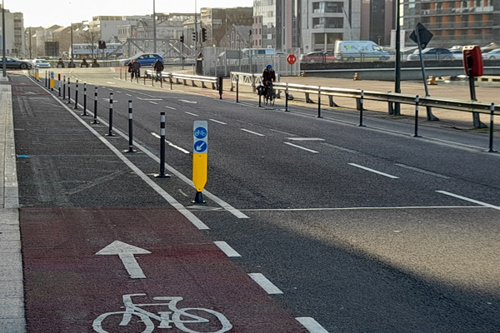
(310, 224)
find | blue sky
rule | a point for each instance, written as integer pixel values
(63, 12)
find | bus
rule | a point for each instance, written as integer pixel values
(89, 51)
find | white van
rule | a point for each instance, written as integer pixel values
(258, 52)
(359, 50)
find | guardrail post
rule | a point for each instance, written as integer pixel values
(237, 89)
(308, 100)
(162, 147)
(171, 81)
(84, 99)
(95, 106)
(361, 108)
(286, 98)
(492, 111)
(220, 84)
(417, 101)
(130, 130)
(331, 102)
(319, 102)
(110, 130)
(76, 95)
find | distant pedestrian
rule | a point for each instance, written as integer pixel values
(137, 69)
(131, 69)
(158, 67)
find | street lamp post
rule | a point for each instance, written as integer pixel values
(154, 27)
(4, 65)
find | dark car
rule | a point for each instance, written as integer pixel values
(432, 54)
(319, 56)
(145, 59)
(14, 63)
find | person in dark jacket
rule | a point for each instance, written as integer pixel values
(158, 67)
(268, 77)
(137, 69)
(131, 69)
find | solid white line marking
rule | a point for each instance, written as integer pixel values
(171, 144)
(303, 148)
(252, 132)
(227, 249)
(192, 114)
(306, 139)
(469, 199)
(218, 122)
(374, 171)
(265, 284)
(169, 107)
(311, 325)
(155, 103)
(422, 171)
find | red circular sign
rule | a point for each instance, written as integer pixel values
(291, 59)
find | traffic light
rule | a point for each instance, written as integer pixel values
(203, 34)
(182, 39)
(194, 35)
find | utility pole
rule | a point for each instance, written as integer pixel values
(154, 27)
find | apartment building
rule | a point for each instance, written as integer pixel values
(454, 22)
(15, 45)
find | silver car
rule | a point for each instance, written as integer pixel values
(492, 55)
(41, 63)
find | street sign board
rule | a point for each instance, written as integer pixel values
(200, 155)
(424, 35)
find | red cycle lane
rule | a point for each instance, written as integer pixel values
(136, 270)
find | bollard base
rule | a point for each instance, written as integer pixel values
(130, 151)
(198, 199)
(162, 175)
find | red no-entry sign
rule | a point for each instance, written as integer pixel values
(291, 59)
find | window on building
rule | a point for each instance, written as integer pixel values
(328, 22)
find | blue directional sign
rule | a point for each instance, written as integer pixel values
(200, 146)
(200, 136)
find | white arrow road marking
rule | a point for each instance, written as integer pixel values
(126, 253)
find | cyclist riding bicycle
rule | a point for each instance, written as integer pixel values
(268, 77)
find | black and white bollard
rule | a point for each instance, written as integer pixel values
(95, 106)
(162, 147)
(130, 129)
(84, 99)
(76, 95)
(64, 87)
(110, 131)
(69, 92)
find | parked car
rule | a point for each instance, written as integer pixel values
(457, 54)
(41, 63)
(432, 54)
(492, 55)
(16, 63)
(145, 59)
(319, 56)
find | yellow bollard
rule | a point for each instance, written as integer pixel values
(356, 77)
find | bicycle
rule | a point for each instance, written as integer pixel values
(270, 94)
(190, 320)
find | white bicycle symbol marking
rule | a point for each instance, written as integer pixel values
(180, 318)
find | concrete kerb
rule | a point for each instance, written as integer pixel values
(12, 317)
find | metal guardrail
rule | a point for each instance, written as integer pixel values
(185, 78)
(437, 102)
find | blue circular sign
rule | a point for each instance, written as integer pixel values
(200, 146)
(200, 132)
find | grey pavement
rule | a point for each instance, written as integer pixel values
(12, 318)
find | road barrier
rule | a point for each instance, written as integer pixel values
(185, 78)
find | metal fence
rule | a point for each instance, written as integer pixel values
(219, 61)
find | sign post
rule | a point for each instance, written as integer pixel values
(200, 158)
